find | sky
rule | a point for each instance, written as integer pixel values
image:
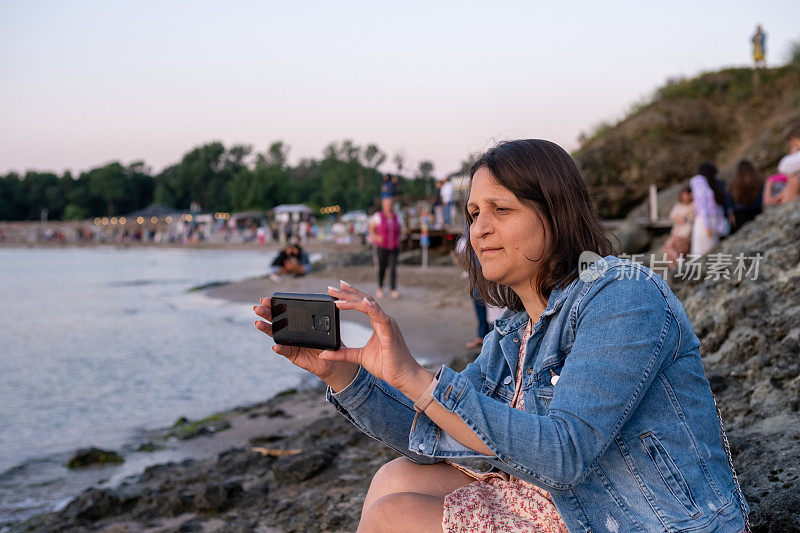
(83, 83)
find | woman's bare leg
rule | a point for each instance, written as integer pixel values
(404, 512)
(415, 491)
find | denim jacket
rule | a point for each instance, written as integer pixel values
(620, 425)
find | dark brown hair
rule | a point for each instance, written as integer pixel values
(544, 177)
(794, 133)
(746, 184)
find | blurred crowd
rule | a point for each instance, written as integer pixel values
(709, 209)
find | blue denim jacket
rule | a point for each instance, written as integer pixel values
(626, 438)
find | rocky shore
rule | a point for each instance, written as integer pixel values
(302, 467)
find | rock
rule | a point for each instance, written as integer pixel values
(630, 238)
(297, 468)
(216, 497)
(742, 343)
(92, 505)
(94, 456)
(717, 116)
(149, 447)
(185, 429)
(750, 335)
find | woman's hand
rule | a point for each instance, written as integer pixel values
(385, 355)
(336, 374)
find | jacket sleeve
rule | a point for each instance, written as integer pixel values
(386, 414)
(621, 340)
(379, 410)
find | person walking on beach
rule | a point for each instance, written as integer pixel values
(709, 223)
(385, 229)
(679, 243)
(588, 401)
(759, 40)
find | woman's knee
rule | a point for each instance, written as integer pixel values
(420, 513)
(388, 477)
(378, 514)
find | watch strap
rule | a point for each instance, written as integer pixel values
(426, 397)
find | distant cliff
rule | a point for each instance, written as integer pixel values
(719, 116)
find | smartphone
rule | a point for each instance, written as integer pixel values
(307, 320)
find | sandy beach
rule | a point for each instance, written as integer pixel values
(434, 310)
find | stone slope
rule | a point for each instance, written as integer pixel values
(720, 116)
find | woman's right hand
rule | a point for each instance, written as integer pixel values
(337, 374)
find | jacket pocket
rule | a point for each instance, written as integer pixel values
(670, 474)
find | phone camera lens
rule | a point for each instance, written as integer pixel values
(322, 322)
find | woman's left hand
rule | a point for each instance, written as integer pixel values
(385, 355)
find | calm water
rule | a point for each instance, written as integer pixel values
(97, 343)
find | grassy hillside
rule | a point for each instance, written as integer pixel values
(719, 116)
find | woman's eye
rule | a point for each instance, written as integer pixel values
(503, 209)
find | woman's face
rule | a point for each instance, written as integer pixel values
(508, 236)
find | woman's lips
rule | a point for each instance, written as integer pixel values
(489, 251)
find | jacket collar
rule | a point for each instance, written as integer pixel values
(512, 321)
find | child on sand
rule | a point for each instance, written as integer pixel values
(682, 216)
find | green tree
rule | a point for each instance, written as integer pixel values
(373, 156)
(265, 186)
(12, 206)
(41, 190)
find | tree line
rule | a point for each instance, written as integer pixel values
(217, 179)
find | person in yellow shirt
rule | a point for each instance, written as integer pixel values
(759, 40)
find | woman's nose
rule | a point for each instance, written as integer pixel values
(480, 226)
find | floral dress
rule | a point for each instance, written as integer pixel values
(498, 501)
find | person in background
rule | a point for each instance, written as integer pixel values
(759, 40)
(438, 207)
(484, 327)
(388, 186)
(744, 199)
(446, 192)
(292, 260)
(773, 187)
(709, 197)
(790, 167)
(682, 216)
(385, 229)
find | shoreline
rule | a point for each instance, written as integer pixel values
(434, 292)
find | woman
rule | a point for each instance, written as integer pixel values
(588, 399)
(745, 201)
(709, 222)
(385, 229)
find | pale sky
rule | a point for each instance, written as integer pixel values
(83, 83)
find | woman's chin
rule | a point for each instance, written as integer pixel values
(494, 279)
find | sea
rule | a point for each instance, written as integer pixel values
(99, 344)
